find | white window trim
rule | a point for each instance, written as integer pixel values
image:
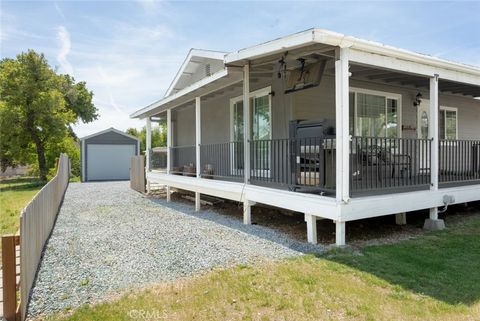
(266, 91)
(387, 95)
(455, 109)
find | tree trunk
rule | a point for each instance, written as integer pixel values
(42, 164)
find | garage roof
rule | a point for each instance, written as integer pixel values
(111, 129)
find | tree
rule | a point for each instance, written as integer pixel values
(159, 135)
(37, 109)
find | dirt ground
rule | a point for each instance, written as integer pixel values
(378, 230)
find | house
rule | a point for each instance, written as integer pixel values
(106, 155)
(339, 128)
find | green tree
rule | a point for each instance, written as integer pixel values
(37, 109)
(159, 135)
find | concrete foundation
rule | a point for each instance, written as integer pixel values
(434, 225)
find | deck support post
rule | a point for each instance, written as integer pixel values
(342, 125)
(246, 122)
(311, 221)
(339, 233)
(433, 222)
(197, 202)
(168, 191)
(401, 218)
(247, 212)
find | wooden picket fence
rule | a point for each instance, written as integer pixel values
(36, 223)
(137, 173)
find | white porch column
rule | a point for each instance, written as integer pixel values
(339, 233)
(246, 122)
(433, 223)
(148, 145)
(169, 145)
(434, 131)
(342, 126)
(198, 141)
(311, 221)
(148, 151)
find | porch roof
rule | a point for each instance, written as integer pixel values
(395, 63)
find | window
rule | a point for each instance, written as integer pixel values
(261, 128)
(448, 123)
(260, 107)
(374, 114)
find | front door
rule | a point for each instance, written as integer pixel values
(423, 123)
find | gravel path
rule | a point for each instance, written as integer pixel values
(109, 238)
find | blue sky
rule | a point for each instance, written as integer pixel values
(129, 51)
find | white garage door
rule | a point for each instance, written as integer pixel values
(109, 162)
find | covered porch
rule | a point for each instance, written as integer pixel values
(326, 125)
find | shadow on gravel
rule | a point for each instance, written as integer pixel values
(236, 223)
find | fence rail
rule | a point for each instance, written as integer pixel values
(459, 161)
(36, 223)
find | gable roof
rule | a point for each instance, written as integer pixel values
(111, 129)
(197, 59)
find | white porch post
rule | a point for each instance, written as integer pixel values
(311, 221)
(247, 205)
(246, 122)
(433, 223)
(198, 140)
(148, 147)
(342, 126)
(169, 145)
(342, 144)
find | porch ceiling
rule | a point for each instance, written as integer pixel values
(409, 80)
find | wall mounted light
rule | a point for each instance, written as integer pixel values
(418, 100)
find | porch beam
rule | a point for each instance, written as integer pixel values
(342, 126)
(246, 122)
(198, 141)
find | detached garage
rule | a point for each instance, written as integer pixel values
(106, 155)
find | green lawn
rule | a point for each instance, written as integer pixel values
(432, 277)
(14, 195)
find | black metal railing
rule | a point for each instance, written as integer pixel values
(459, 161)
(389, 163)
(158, 158)
(183, 160)
(222, 160)
(302, 165)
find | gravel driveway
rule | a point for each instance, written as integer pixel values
(109, 238)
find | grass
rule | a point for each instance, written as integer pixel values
(432, 277)
(14, 195)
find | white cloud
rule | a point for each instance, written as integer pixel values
(60, 12)
(63, 37)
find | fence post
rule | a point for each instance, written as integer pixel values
(9, 277)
